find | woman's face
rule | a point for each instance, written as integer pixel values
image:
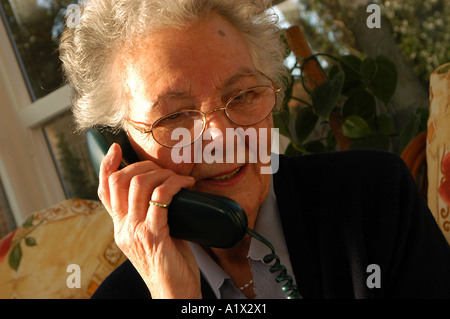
(199, 68)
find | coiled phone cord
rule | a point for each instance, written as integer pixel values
(283, 275)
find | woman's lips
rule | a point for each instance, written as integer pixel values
(224, 176)
(227, 178)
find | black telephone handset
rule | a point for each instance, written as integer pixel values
(206, 219)
(203, 218)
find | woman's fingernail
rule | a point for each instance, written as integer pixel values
(110, 149)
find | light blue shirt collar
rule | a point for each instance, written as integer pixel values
(268, 224)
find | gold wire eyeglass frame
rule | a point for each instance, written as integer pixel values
(274, 87)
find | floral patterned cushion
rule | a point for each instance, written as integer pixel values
(65, 251)
(438, 148)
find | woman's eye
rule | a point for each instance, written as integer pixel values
(247, 97)
(240, 96)
(173, 116)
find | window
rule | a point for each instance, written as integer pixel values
(69, 149)
(42, 161)
(35, 27)
(7, 223)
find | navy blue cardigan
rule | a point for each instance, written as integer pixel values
(341, 212)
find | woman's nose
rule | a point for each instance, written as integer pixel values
(217, 119)
(214, 134)
(214, 115)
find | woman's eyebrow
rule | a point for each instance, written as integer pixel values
(242, 73)
(166, 96)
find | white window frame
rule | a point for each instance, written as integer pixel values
(27, 169)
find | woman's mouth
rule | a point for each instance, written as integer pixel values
(227, 179)
(226, 176)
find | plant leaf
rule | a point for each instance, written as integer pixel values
(326, 95)
(281, 118)
(304, 123)
(361, 103)
(385, 81)
(331, 141)
(417, 123)
(368, 69)
(28, 222)
(380, 75)
(355, 127)
(281, 121)
(15, 256)
(351, 64)
(30, 241)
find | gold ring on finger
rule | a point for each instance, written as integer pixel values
(158, 204)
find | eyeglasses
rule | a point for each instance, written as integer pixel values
(248, 107)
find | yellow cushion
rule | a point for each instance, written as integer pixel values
(34, 259)
(438, 148)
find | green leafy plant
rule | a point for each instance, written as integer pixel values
(358, 92)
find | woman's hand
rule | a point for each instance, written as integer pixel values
(166, 264)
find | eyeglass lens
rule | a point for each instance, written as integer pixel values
(249, 107)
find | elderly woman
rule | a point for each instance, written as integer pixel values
(345, 225)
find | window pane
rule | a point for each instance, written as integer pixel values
(72, 158)
(35, 27)
(6, 219)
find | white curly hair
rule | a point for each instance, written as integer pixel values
(89, 50)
